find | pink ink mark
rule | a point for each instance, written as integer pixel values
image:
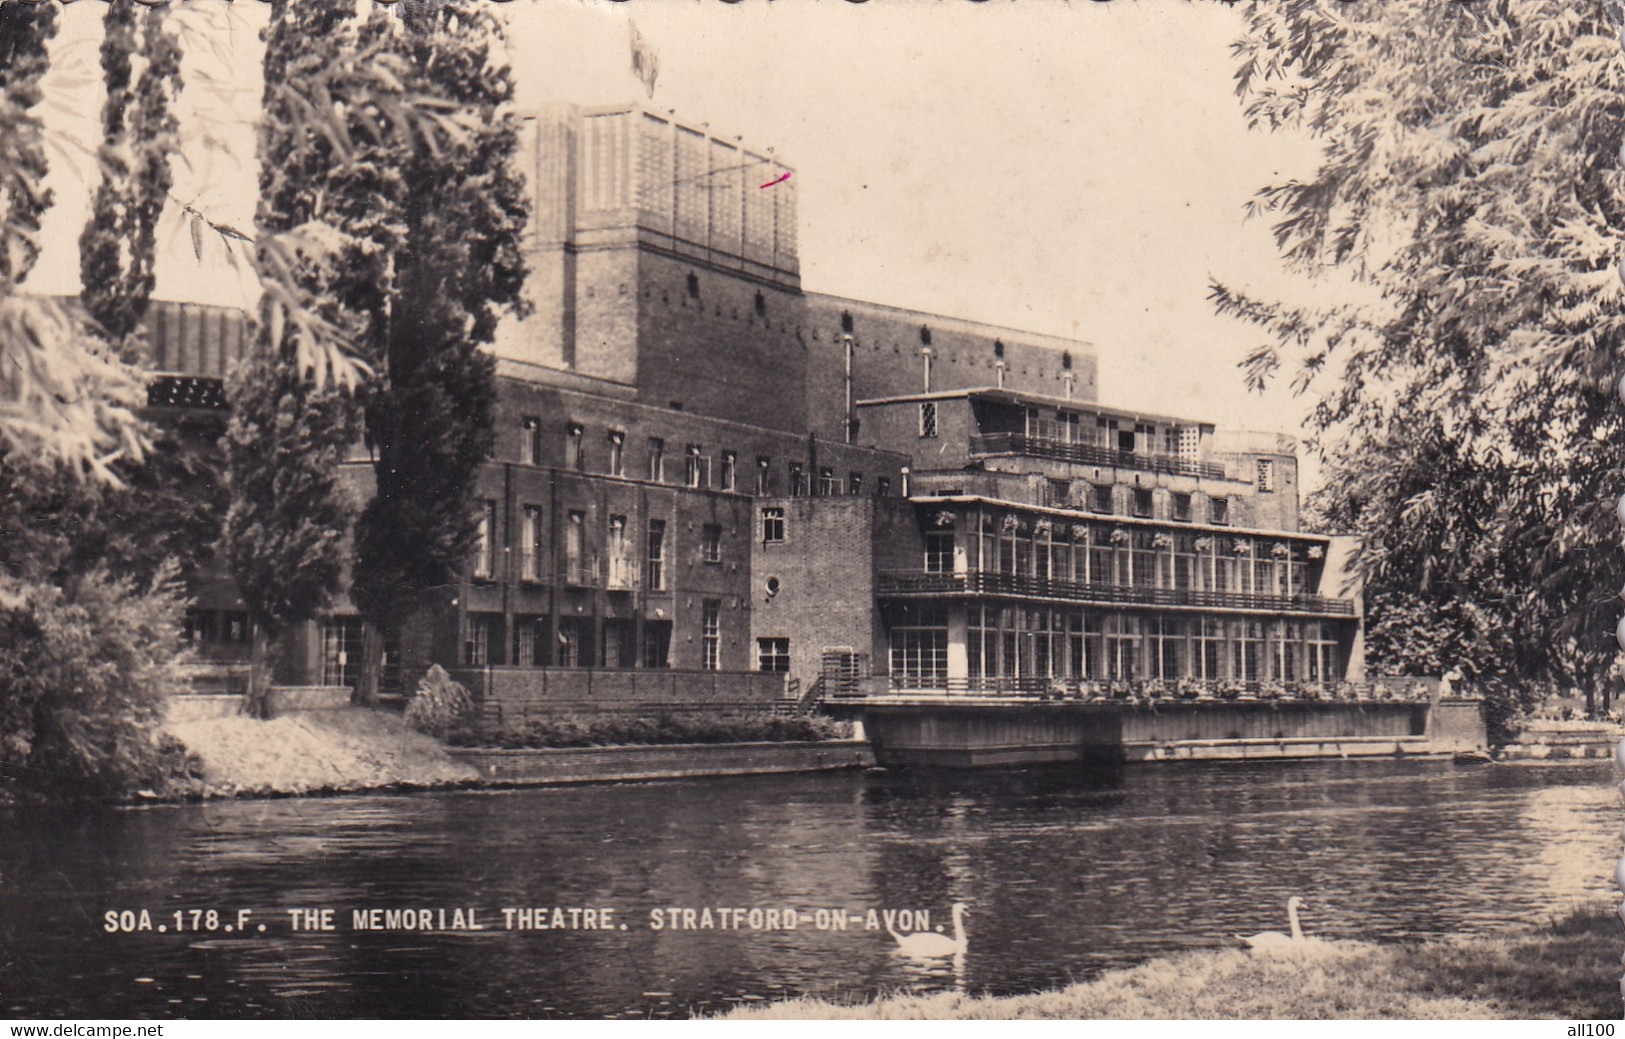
(780, 180)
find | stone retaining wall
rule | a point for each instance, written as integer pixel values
(678, 761)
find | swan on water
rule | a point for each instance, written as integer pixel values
(1267, 941)
(929, 944)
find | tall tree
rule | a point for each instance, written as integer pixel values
(290, 427)
(1471, 182)
(117, 254)
(337, 110)
(456, 269)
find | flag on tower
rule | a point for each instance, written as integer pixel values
(645, 63)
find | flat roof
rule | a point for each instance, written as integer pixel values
(1008, 396)
(1132, 521)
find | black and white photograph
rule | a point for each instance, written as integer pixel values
(771, 510)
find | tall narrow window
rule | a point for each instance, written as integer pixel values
(928, 418)
(530, 441)
(939, 552)
(1266, 474)
(657, 460)
(483, 539)
(576, 570)
(694, 466)
(617, 450)
(1221, 510)
(764, 475)
(710, 634)
(656, 560)
(883, 487)
(620, 560)
(575, 455)
(530, 545)
(711, 543)
(1182, 507)
(730, 471)
(797, 489)
(1103, 498)
(854, 484)
(827, 486)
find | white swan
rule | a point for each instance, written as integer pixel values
(1275, 941)
(927, 945)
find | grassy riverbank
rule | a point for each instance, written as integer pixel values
(314, 752)
(1565, 970)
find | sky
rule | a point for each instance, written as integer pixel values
(1077, 169)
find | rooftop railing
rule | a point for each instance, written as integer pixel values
(1091, 454)
(1151, 690)
(1022, 586)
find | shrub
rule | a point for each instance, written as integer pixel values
(439, 703)
(85, 668)
(700, 727)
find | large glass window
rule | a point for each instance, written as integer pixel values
(919, 645)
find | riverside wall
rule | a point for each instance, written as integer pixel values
(1015, 732)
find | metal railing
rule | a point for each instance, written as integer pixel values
(1091, 454)
(1023, 586)
(581, 573)
(1150, 690)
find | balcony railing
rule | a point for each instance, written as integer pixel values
(1091, 454)
(581, 573)
(1150, 690)
(894, 583)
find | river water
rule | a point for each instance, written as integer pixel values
(1065, 875)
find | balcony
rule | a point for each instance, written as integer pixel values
(1091, 454)
(581, 573)
(893, 584)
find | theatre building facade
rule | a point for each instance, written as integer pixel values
(710, 481)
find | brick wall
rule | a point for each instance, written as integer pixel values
(825, 571)
(512, 695)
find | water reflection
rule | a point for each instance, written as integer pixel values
(1066, 874)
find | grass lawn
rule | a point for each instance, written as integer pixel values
(1568, 969)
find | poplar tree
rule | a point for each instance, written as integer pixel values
(293, 416)
(455, 270)
(1471, 187)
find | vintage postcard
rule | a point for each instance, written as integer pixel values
(566, 509)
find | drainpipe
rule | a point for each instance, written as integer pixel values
(847, 339)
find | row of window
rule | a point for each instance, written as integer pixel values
(1141, 502)
(1138, 558)
(1015, 642)
(582, 566)
(697, 468)
(570, 642)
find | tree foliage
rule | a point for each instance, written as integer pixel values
(1470, 184)
(64, 397)
(453, 269)
(85, 668)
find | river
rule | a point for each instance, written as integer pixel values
(1064, 874)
